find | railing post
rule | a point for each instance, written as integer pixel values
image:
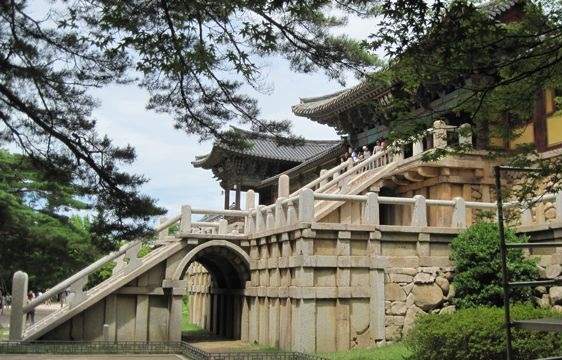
(372, 209)
(250, 225)
(527, 216)
(558, 204)
(322, 173)
(459, 213)
(260, 221)
(77, 294)
(306, 206)
(223, 226)
(280, 218)
(465, 135)
(397, 153)
(349, 165)
(283, 186)
(162, 235)
(269, 219)
(19, 299)
(132, 254)
(419, 212)
(417, 147)
(291, 213)
(185, 221)
(439, 134)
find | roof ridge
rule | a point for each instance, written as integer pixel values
(272, 137)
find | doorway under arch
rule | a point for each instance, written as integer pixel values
(216, 274)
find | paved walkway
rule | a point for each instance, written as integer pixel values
(222, 345)
(40, 312)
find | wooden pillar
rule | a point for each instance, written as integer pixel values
(226, 199)
(237, 199)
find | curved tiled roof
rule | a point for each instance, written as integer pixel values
(496, 8)
(330, 153)
(331, 104)
(266, 147)
(341, 100)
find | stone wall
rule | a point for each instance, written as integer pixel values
(319, 289)
(412, 291)
(314, 290)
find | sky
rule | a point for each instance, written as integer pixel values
(164, 154)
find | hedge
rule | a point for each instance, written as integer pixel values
(479, 334)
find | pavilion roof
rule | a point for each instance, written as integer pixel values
(326, 109)
(322, 108)
(266, 147)
(320, 158)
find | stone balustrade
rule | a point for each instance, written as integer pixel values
(126, 259)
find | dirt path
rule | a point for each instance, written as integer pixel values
(223, 345)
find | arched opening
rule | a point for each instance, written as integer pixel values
(216, 275)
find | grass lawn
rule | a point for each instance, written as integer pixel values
(390, 352)
(3, 334)
(186, 326)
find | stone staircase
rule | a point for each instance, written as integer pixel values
(354, 182)
(79, 302)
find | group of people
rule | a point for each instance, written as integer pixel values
(6, 302)
(360, 154)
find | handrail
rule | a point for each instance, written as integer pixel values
(232, 213)
(205, 224)
(354, 169)
(98, 264)
(395, 200)
(321, 178)
(339, 197)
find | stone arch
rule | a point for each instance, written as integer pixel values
(192, 254)
(217, 305)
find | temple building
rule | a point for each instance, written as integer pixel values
(258, 166)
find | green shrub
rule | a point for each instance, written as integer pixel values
(479, 334)
(476, 255)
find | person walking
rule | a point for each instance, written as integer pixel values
(30, 315)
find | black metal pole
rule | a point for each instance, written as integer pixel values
(503, 252)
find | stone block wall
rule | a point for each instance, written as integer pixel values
(320, 290)
(200, 298)
(314, 290)
(358, 287)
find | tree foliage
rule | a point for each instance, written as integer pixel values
(40, 230)
(492, 59)
(479, 333)
(478, 277)
(196, 59)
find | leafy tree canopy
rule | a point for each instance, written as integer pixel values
(475, 252)
(495, 57)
